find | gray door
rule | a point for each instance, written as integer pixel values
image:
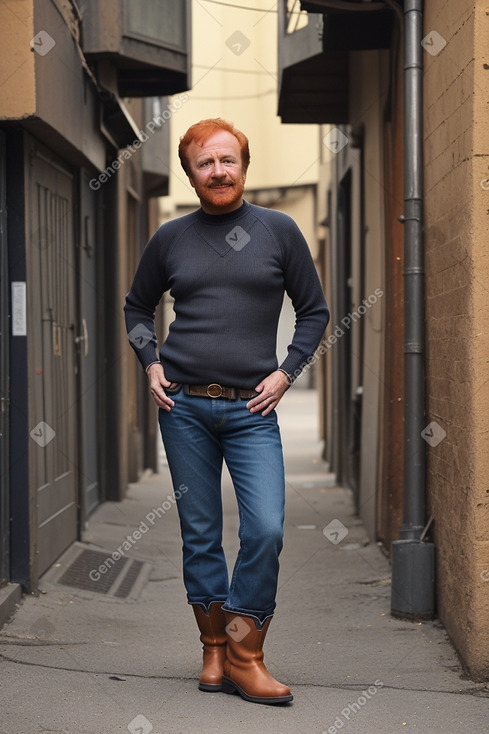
(52, 365)
(87, 343)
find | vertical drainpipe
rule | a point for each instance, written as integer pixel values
(412, 559)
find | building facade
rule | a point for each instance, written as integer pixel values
(345, 69)
(84, 151)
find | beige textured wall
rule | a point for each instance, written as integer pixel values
(17, 83)
(456, 162)
(480, 229)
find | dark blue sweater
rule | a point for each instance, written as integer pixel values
(227, 274)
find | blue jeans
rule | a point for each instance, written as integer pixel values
(198, 433)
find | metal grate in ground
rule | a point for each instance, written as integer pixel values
(95, 570)
(129, 580)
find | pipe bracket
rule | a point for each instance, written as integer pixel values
(403, 219)
(413, 348)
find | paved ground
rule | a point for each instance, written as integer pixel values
(82, 663)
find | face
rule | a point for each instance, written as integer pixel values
(216, 172)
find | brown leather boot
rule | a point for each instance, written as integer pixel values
(244, 670)
(213, 637)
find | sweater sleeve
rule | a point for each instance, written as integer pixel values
(305, 291)
(146, 291)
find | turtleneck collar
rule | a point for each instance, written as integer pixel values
(223, 218)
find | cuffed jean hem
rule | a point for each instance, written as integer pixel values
(206, 605)
(259, 618)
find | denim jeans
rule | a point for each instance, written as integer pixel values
(198, 433)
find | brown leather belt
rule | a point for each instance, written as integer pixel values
(214, 390)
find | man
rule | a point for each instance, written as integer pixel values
(217, 384)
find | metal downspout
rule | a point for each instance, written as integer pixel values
(413, 560)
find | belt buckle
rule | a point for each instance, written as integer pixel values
(214, 386)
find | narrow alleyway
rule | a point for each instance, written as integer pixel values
(80, 662)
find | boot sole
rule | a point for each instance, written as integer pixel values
(230, 687)
(210, 687)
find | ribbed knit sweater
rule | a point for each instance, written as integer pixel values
(227, 274)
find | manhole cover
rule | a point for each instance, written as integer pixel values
(96, 570)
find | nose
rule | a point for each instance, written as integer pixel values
(218, 170)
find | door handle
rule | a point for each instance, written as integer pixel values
(83, 338)
(56, 331)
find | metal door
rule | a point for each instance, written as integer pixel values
(51, 344)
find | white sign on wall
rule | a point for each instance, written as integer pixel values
(19, 310)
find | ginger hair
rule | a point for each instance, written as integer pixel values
(201, 131)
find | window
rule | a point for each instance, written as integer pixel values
(162, 21)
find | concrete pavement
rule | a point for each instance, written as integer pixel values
(80, 662)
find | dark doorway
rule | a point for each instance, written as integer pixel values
(344, 344)
(4, 375)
